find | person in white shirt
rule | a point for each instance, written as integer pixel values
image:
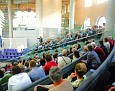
(18, 80)
(64, 59)
(107, 44)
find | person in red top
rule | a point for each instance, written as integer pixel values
(49, 63)
(111, 42)
(100, 52)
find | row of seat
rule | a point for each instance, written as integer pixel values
(68, 43)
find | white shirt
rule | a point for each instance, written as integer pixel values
(62, 63)
(107, 44)
(18, 81)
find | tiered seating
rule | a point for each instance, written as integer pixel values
(98, 79)
(66, 71)
(11, 53)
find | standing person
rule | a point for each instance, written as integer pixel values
(0, 41)
(40, 39)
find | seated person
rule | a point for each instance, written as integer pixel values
(75, 55)
(80, 71)
(5, 77)
(60, 84)
(64, 59)
(49, 63)
(36, 72)
(18, 80)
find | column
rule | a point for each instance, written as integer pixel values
(10, 14)
(39, 17)
(110, 19)
(71, 15)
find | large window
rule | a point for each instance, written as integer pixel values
(87, 23)
(88, 3)
(24, 19)
(101, 1)
(101, 21)
(2, 19)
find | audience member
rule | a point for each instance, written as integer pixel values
(18, 80)
(107, 44)
(49, 63)
(93, 60)
(103, 47)
(80, 71)
(36, 72)
(59, 84)
(100, 52)
(64, 59)
(75, 55)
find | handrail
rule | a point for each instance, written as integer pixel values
(90, 83)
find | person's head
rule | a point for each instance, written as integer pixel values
(85, 48)
(22, 68)
(16, 70)
(64, 52)
(55, 55)
(106, 39)
(101, 42)
(89, 47)
(1, 74)
(42, 61)
(48, 57)
(78, 46)
(80, 69)
(26, 64)
(23, 62)
(76, 54)
(32, 64)
(3, 69)
(55, 74)
(44, 54)
(87, 42)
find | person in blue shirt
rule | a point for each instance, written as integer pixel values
(36, 72)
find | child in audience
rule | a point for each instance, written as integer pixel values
(80, 71)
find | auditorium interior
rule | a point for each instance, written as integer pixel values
(57, 45)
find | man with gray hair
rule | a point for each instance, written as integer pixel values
(64, 59)
(60, 84)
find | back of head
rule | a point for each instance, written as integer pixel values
(26, 64)
(76, 54)
(64, 52)
(1, 73)
(55, 74)
(16, 70)
(106, 39)
(85, 48)
(42, 61)
(48, 57)
(55, 55)
(81, 69)
(89, 47)
(22, 68)
(101, 42)
(32, 63)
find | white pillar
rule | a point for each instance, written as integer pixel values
(39, 17)
(110, 18)
(10, 14)
(71, 15)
